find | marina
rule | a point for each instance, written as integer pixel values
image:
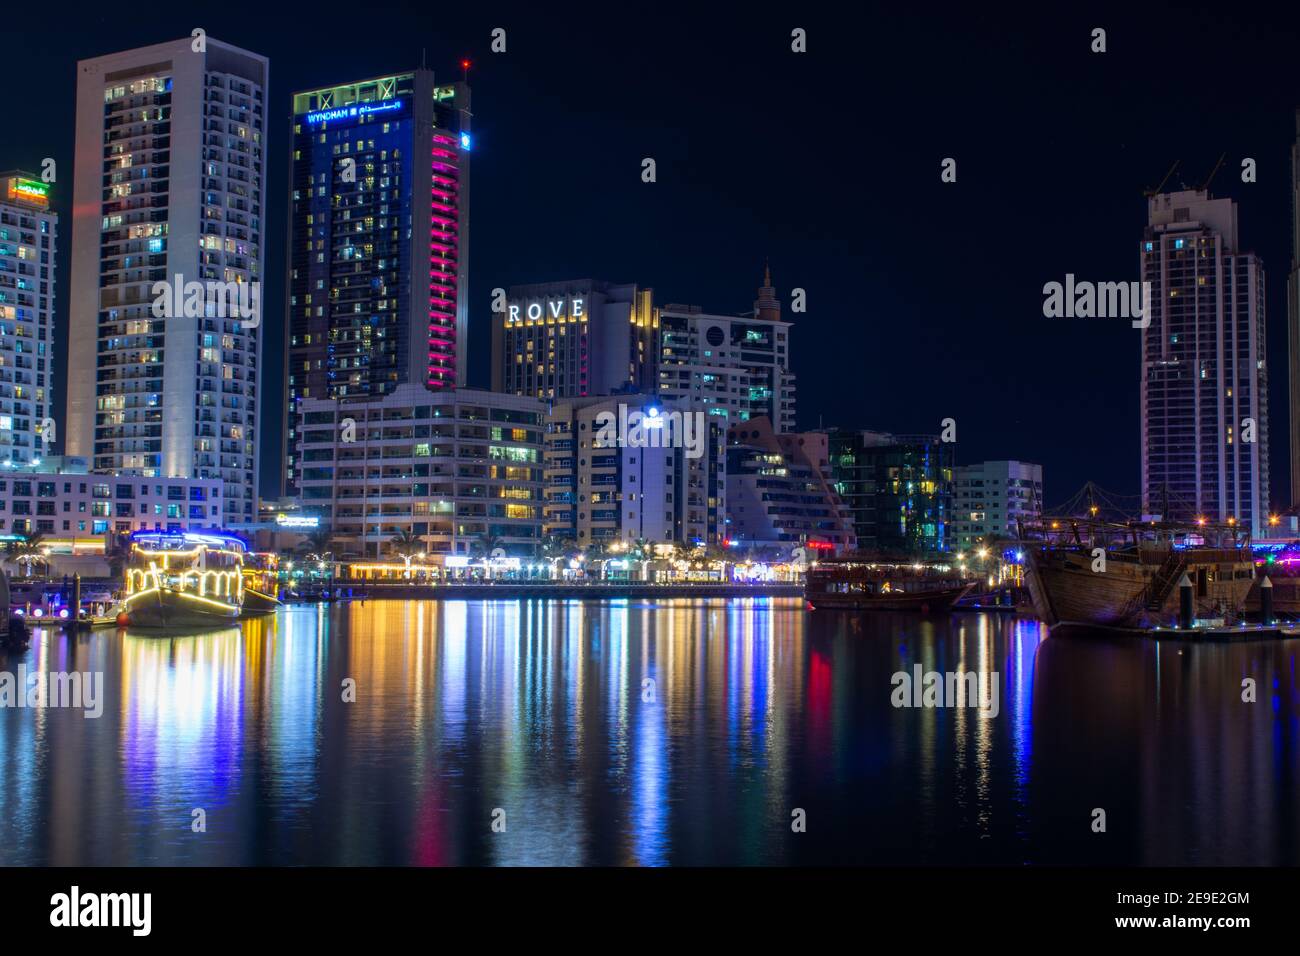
(536, 706)
(1078, 574)
(351, 534)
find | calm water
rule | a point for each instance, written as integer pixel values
(540, 709)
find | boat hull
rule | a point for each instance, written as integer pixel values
(1286, 596)
(255, 602)
(932, 601)
(1133, 594)
(176, 611)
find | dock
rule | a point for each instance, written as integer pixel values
(1226, 633)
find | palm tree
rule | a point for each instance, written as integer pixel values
(29, 551)
(713, 551)
(317, 548)
(640, 549)
(487, 543)
(317, 545)
(117, 549)
(557, 546)
(407, 546)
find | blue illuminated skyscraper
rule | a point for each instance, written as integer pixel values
(378, 242)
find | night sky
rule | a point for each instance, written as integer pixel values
(924, 298)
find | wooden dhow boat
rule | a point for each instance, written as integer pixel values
(1087, 573)
(863, 584)
(183, 581)
(261, 587)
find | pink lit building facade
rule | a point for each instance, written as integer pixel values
(378, 243)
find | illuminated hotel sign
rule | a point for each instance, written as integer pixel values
(29, 190)
(355, 111)
(553, 310)
(297, 521)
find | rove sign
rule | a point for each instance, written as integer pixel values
(553, 309)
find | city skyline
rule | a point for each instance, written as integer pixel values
(930, 374)
(850, 446)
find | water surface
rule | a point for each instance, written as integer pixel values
(625, 732)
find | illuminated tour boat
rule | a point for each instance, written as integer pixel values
(261, 587)
(178, 580)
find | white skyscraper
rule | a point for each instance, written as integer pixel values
(168, 188)
(1204, 375)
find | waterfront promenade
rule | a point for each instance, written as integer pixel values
(509, 590)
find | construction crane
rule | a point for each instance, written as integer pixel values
(1155, 192)
(1204, 187)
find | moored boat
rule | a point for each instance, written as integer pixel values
(261, 588)
(183, 580)
(864, 585)
(1281, 565)
(1126, 575)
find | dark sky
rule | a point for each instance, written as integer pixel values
(924, 298)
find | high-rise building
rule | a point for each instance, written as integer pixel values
(897, 490)
(167, 198)
(28, 233)
(560, 340)
(608, 480)
(378, 245)
(1204, 394)
(780, 493)
(992, 498)
(460, 469)
(1293, 318)
(738, 367)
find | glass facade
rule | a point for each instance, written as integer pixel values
(379, 192)
(897, 489)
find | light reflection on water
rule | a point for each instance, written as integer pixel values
(622, 732)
